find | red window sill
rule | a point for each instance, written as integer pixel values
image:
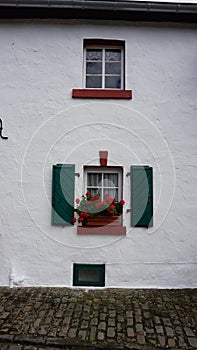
(102, 230)
(103, 93)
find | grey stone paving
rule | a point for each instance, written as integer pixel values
(76, 319)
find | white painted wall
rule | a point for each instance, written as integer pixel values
(40, 64)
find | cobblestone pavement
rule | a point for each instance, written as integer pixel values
(54, 318)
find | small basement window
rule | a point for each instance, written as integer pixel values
(89, 275)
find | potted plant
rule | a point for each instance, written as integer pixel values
(92, 211)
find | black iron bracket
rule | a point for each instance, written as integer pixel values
(1, 129)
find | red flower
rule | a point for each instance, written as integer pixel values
(88, 193)
(74, 219)
(77, 200)
(110, 211)
(97, 205)
(122, 202)
(110, 200)
(96, 198)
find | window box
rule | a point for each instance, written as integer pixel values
(110, 225)
(101, 220)
(116, 230)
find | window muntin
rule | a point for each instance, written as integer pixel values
(104, 182)
(104, 68)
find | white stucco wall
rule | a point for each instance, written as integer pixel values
(40, 64)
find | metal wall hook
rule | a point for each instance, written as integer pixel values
(1, 129)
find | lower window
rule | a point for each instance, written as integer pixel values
(89, 275)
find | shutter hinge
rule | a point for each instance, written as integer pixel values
(77, 174)
(128, 174)
(128, 210)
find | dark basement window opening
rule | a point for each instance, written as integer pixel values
(89, 275)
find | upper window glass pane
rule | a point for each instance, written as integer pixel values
(93, 55)
(113, 82)
(94, 68)
(113, 55)
(93, 82)
(113, 68)
(104, 67)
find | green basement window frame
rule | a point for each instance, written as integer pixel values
(89, 275)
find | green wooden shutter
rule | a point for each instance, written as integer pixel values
(63, 182)
(141, 196)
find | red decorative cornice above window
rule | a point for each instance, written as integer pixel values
(102, 93)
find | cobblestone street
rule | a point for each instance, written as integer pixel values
(54, 318)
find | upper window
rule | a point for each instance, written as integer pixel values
(104, 64)
(103, 70)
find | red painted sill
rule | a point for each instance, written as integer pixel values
(102, 93)
(102, 230)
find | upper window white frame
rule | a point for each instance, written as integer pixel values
(104, 185)
(104, 66)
